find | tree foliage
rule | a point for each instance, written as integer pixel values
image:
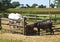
(28, 6)
(34, 5)
(4, 4)
(57, 3)
(41, 6)
(15, 4)
(52, 5)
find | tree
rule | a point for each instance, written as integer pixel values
(15, 4)
(34, 5)
(28, 6)
(52, 5)
(41, 6)
(22, 6)
(4, 4)
(57, 3)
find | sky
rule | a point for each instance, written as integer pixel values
(30, 2)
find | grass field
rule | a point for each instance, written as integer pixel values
(35, 10)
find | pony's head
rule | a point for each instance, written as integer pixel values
(36, 24)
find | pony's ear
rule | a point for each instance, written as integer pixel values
(35, 24)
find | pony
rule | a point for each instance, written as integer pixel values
(44, 26)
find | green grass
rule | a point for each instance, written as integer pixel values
(1, 40)
(35, 10)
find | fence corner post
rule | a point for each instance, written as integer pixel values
(24, 25)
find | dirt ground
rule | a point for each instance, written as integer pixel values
(45, 38)
(35, 38)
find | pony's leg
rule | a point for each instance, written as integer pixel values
(10, 24)
(51, 30)
(38, 31)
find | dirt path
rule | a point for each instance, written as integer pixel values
(45, 38)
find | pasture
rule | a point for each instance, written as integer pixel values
(34, 10)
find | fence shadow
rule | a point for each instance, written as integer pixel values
(56, 32)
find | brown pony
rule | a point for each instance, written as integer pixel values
(44, 26)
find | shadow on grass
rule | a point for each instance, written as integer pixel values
(6, 40)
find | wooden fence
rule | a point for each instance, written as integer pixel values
(38, 17)
(6, 27)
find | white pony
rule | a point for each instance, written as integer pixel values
(15, 19)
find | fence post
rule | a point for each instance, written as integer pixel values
(24, 25)
(55, 19)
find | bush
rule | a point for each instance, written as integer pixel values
(5, 15)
